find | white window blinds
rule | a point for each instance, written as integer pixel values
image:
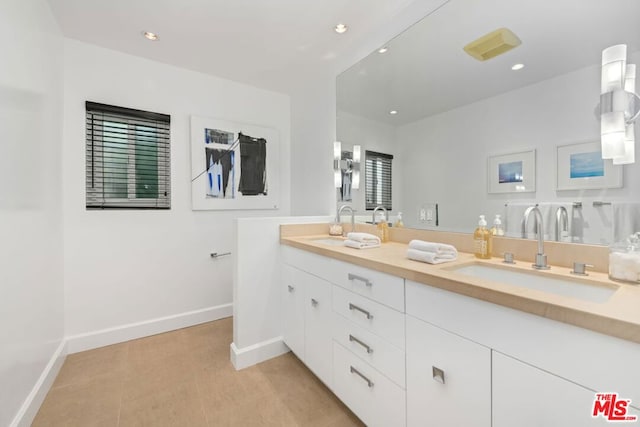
(127, 158)
(377, 180)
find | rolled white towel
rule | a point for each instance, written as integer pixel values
(362, 245)
(430, 257)
(437, 248)
(363, 237)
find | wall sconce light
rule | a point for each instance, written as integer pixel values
(355, 168)
(346, 163)
(337, 174)
(619, 106)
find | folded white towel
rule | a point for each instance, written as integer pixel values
(363, 237)
(362, 245)
(436, 248)
(430, 257)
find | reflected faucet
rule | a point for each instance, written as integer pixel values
(373, 217)
(562, 223)
(353, 219)
(541, 258)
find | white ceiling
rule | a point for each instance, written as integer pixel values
(426, 71)
(264, 43)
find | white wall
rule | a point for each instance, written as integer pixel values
(447, 153)
(31, 304)
(373, 136)
(128, 266)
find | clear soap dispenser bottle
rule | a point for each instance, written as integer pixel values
(482, 240)
(497, 229)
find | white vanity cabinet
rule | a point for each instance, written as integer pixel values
(317, 327)
(533, 358)
(525, 396)
(307, 320)
(293, 295)
(353, 333)
(448, 378)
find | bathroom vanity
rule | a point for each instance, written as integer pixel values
(407, 343)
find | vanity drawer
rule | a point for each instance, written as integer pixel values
(381, 287)
(370, 315)
(317, 265)
(374, 398)
(385, 357)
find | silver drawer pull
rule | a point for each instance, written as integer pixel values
(358, 373)
(291, 288)
(361, 310)
(360, 278)
(314, 302)
(438, 374)
(356, 340)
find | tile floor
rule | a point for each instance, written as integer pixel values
(185, 378)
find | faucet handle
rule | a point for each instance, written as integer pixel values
(580, 268)
(508, 258)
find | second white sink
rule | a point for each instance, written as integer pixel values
(569, 288)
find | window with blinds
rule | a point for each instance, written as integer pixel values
(127, 157)
(377, 180)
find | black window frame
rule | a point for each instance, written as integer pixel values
(128, 158)
(378, 180)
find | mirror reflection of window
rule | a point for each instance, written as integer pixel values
(378, 180)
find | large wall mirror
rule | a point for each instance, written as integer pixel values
(463, 127)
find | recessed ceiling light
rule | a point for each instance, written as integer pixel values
(393, 112)
(517, 67)
(149, 35)
(340, 28)
(383, 49)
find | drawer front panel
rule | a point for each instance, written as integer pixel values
(370, 315)
(380, 287)
(379, 353)
(369, 394)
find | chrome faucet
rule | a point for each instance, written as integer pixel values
(562, 223)
(541, 258)
(353, 219)
(373, 218)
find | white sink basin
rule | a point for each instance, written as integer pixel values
(331, 241)
(569, 288)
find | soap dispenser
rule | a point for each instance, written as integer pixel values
(482, 240)
(383, 229)
(497, 229)
(399, 223)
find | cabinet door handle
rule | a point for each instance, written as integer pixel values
(356, 340)
(358, 373)
(438, 374)
(314, 302)
(366, 281)
(291, 288)
(361, 310)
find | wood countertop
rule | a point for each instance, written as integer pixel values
(618, 316)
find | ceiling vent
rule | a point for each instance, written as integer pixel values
(493, 44)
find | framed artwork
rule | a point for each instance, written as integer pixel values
(233, 165)
(512, 173)
(581, 167)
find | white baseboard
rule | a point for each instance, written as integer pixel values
(251, 355)
(31, 404)
(101, 338)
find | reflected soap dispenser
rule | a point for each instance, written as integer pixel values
(482, 240)
(497, 229)
(383, 228)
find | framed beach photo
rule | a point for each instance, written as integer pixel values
(581, 167)
(512, 173)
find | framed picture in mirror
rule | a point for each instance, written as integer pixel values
(581, 167)
(512, 173)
